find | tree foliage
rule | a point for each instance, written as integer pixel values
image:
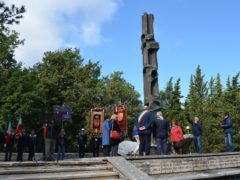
(208, 101)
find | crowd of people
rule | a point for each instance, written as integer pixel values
(23, 141)
(148, 123)
(145, 124)
(55, 138)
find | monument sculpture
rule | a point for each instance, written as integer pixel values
(150, 65)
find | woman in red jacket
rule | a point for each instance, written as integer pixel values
(177, 137)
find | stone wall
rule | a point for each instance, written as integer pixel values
(156, 165)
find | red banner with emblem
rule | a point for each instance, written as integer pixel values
(121, 111)
(96, 120)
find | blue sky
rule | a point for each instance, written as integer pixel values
(190, 33)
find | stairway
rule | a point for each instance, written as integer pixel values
(88, 168)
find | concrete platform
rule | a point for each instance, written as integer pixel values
(220, 166)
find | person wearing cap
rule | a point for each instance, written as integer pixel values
(82, 142)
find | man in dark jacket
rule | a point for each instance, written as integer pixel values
(50, 140)
(21, 144)
(161, 126)
(228, 131)
(82, 142)
(96, 142)
(144, 126)
(32, 142)
(197, 133)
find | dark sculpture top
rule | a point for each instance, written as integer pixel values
(150, 65)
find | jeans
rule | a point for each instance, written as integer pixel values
(198, 144)
(50, 148)
(228, 142)
(161, 146)
(61, 151)
(145, 140)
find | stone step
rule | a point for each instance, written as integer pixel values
(68, 155)
(84, 162)
(51, 169)
(64, 175)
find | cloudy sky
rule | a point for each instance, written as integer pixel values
(190, 33)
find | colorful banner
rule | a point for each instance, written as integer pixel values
(96, 121)
(121, 111)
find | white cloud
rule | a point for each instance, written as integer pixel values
(53, 24)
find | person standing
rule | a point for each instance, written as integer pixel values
(144, 126)
(177, 137)
(21, 143)
(197, 133)
(136, 137)
(1, 138)
(9, 145)
(95, 141)
(32, 142)
(106, 137)
(61, 144)
(162, 128)
(50, 140)
(82, 142)
(115, 141)
(227, 126)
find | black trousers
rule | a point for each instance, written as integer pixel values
(96, 152)
(19, 153)
(145, 140)
(31, 153)
(8, 153)
(106, 150)
(81, 151)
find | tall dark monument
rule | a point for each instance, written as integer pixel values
(150, 65)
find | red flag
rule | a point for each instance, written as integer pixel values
(44, 131)
(7, 137)
(19, 127)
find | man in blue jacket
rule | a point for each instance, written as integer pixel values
(228, 131)
(106, 136)
(144, 126)
(197, 133)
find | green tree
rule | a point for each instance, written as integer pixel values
(213, 135)
(198, 92)
(10, 15)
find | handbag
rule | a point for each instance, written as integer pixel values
(114, 134)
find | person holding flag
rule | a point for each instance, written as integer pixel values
(9, 142)
(21, 138)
